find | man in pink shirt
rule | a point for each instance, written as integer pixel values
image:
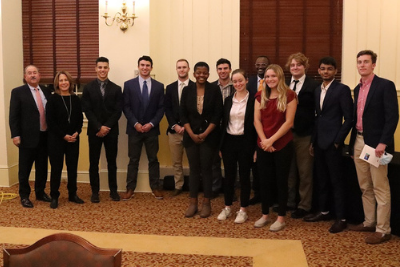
(376, 114)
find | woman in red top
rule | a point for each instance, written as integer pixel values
(274, 111)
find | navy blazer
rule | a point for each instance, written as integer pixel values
(24, 117)
(305, 113)
(250, 134)
(101, 110)
(171, 104)
(335, 120)
(252, 85)
(212, 112)
(380, 116)
(134, 110)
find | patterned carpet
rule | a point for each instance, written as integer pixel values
(145, 215)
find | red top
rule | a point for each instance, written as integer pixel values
(272, 119)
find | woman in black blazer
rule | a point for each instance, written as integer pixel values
(238, 143)
(200, 112)
(64, 121)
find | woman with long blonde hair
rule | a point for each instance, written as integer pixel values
(274, 111)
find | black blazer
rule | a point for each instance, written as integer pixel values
(380, 116)
(305, 113)
(212, 112)
(134, 110)
(102, 111)
(171, 105)
(250, 134)
(24, 118)
(252, 85)
(329, 125)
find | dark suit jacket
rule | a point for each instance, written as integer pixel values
(305, 113)
(212, 112)
(329, 125)
(102, 111)
(171, 104)
(134, 110)
(24, 116)
(381, 114)
(252, 85)
(250, 134)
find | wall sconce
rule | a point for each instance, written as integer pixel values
(123, 18)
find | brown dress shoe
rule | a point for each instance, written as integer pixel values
(128, 195)
(377, 238)
(361, 228)
(206, 209)
(158, 194)
(192, 209)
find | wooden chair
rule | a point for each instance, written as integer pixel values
(62, 250)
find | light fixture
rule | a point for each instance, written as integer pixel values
(122, 18)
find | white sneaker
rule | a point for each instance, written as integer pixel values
(277, 226)
(261, 222)
(241, 216)
(225, 213)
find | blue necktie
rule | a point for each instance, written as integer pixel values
(145, 94)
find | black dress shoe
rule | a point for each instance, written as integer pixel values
(95, 198)
(43, 197)
(54, 203)
(254, 200)
(76, 199)
(26, 203)
(316, 217)
(338, 226)
(298, 214)
(115, 196)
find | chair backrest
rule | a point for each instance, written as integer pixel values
(62, 250)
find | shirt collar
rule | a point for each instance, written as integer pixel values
(368, 81)
(301, 80)
(326, 87)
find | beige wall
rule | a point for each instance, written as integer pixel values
(372, 24)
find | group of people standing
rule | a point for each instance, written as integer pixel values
(274, 127)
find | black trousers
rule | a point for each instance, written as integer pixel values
(28, 156)
(329, 180)
(134, 151)
(111, 149)
(59, 148)
(200, 159)
(273, 167)
(234, 152)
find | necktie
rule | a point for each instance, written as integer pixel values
(181, 85)
(261, 85)
(295, 83)
(145, 94)
(43, 125)
(103, 88)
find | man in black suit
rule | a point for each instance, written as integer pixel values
(302, 164)
(29, 133)
(102, 104)
(143, 109)
(376, 114)
(253, 86)
(334, 108)
(175, 128)
(224, 82)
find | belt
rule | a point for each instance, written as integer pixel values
(360, 133)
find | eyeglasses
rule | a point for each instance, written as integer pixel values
(262, 65)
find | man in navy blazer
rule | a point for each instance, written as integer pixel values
(301, 171)
(29, 134)
(175, 128)
(334, 108)
(143, 109)
(102, 104)
(376, 114)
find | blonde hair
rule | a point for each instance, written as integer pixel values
(281, 87)
(57, 79)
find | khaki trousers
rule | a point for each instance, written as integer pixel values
(176, 148)
(374, 185)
